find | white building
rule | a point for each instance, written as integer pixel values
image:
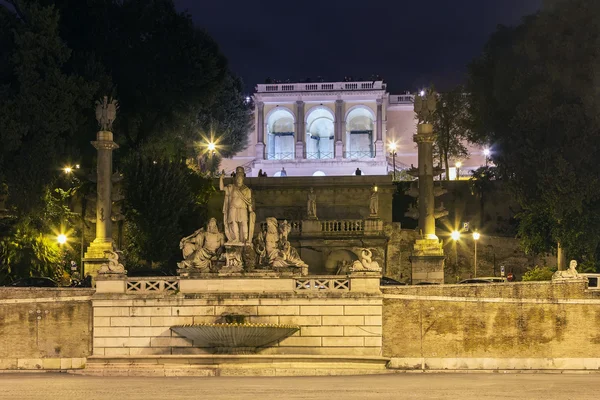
(331, 128)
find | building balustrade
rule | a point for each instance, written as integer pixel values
(152, 285)
(319, 87)
(321, 155)
(359, 154)
(280, 156)
(402, 99)
(346, 226)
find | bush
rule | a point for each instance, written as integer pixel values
(538, 273)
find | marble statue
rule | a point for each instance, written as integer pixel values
(571, 273)
(202, 248)
(275, 250)
(113, 266)
(374, 202)
(106, 113)
(425, 106)
(366, 264)
(312, 205)
(238, 212)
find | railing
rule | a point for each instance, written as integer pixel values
(280, 156)
(320, 155)
(152, 285)
(351, 225)
(323, 283)
(295, 225)
(402, 99)
(359, 154)
(319, 87)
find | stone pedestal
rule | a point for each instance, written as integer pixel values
(260, 151)
(427, 261)
(379, 151)
(299, 150)
(373, 225)
(339, 150)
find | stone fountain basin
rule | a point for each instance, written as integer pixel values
(234, 338)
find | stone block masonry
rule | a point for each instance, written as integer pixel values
(330, 324)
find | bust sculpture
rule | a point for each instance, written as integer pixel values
(106, 113)
(311, 205)
(238, 213)
(274, 249)
(202, 248)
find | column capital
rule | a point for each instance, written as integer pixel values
(379, 102)
(339, 102)
(300, 103)
(260, 104)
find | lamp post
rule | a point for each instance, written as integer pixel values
(476, 237)
(458, 165)
(392, 147)
(455, 237)
(486, 153)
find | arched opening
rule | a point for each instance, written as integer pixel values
(319, 134)
(360, 124)
(280, 138)
(319, 173)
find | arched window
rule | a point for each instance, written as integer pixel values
(319, 133)
(360, 123)
(280, 140)
(319, 173)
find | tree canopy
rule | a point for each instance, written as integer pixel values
(534, 97)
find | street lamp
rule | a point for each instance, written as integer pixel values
(61, 239)
(486, 153)
(392, 147)
(456, 237)
(458, 165)
(67, 170)
(212, 147)
(476, 237)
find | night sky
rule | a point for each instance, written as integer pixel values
(408, 43)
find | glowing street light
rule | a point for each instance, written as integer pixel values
(476, 237)
(455, 235)
(67, 170)
(61, 239)
(458, 165)
(212, 147)
(392, 146)
(486, 153)
(422, 93)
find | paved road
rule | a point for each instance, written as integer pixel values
(48, 386)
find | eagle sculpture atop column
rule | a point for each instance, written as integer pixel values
(425, 106)
(106, 113)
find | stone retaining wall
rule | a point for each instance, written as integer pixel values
(538, 325)
(45, 328)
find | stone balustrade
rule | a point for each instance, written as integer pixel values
(319, 87)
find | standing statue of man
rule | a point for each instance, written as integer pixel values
(374, 202)
(311, 211)
(238, 214)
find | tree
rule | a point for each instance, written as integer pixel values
(449, 127)
(533, 94)
(164, 200)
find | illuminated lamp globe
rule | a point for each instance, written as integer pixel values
(61, 239)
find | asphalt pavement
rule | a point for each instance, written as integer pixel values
(30, 386)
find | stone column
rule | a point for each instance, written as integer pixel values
(379, 152)
(260, 131)
(95, 255)
(424, 139)
(300, 130)
(428, 257)
(339, 116)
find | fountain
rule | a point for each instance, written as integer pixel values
(235, 336)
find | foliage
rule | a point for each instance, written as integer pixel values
(25, 250)
(538, 273)
(449, 127)
(533, 96)
(41, 104)
(164, 200)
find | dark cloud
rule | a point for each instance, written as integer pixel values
(409, 43)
